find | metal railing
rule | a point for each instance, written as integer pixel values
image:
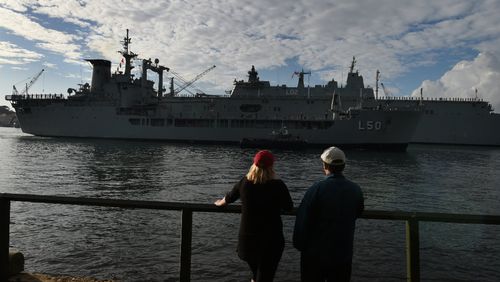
(33, 97)
(412, 224)
(442, 99)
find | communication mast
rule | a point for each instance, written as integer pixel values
(127, 54)
(300, 84)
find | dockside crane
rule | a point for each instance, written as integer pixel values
(28, 85)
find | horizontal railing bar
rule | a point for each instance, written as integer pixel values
(432, 217)
(116, 203)
(157, 205)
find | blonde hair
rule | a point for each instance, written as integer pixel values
(259, 175)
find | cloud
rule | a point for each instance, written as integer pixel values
(28, 28)
(482, 73)
(49, 39)
(16, 5)
(49, 65)
(19, 68)
(189, 36)
(12, 54)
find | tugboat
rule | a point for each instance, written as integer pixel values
(280, 139)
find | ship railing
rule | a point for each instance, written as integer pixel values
(188, 95)
(412, 220)
(444, 99)
(33, 97)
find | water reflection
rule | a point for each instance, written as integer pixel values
(128, 244)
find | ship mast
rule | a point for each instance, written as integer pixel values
(351, 69)
(377, 78)
(127, 54)
(300, 84)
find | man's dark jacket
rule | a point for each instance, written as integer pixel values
(326, 218)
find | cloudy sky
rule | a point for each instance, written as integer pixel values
(448, 47)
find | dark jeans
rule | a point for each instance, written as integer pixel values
(313, 269)
(264, 266)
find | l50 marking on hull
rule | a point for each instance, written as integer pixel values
(369, 125)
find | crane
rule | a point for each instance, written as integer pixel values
(386, 92)
(28, 85)
(188, 83)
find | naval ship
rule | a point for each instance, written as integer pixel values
(119, 105)
(457, 121)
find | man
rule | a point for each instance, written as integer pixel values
(325, 223)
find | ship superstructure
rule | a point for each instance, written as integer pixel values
(117, 105)
(459, 121)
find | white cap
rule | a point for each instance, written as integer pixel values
(333, 155)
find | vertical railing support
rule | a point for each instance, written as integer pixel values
(412, 251)
(186, 233)
(4, 238)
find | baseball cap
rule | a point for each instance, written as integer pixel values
(333, 155)
(263, 159)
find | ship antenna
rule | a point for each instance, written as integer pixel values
(331, 105)
(377, 77)
(421, 96)
(308, 84)
(126, 42)
(353, 63)
(127, 54)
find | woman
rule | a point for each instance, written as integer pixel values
(263, 197)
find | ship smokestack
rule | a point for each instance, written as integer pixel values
(101, 74)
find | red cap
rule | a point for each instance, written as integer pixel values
(263, 159)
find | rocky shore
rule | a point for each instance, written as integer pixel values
(7, 117)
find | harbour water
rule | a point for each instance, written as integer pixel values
(142, 245)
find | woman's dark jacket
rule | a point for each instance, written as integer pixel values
(261, 229)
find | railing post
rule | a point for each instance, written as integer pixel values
(186, 226)
(412, 251)
(4, 238)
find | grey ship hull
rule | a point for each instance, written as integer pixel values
(171, 121)
(453, 121)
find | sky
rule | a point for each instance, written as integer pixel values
(449, 48)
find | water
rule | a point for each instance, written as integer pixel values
(141, 245)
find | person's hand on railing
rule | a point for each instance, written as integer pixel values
(221, 202)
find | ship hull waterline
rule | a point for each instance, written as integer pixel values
(368, 130)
